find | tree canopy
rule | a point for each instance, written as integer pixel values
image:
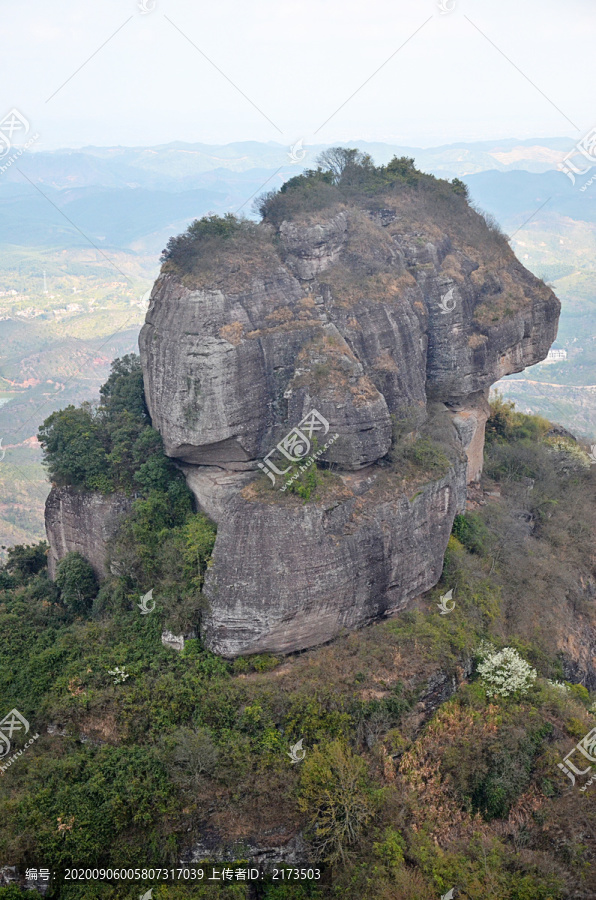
(77, 583)
(111, 446)
(342, 174)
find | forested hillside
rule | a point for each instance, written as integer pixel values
(431, 739)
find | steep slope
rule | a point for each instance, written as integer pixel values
(153, 758)
(348, 314)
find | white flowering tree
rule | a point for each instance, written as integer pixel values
(504, 672)
(119, 674)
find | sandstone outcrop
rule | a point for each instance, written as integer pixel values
(362, 338)
(308, 570)
(368, 317)
(470, 421)
(84, 522)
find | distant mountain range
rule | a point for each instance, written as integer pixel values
(180, 166)
(514, 196)
(135, 198)
(127, 218)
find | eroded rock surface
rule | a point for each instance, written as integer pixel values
(366, 316)
(371, 317)
(470, 421)
(83, 522)
(308, 570)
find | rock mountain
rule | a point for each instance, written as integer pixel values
(321, 378)
(367, 331)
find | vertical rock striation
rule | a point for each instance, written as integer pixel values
(84, 522)
(365, 335)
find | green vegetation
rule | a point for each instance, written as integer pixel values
(471, 532)
(306, 484)
(23, 563)
(428, 456)
(460, 187)
(506, 425)
(417, 451)
(309, 192)
(162, 544)
(414, 779)
(76, 581)
(111, 447)
(199, 237)
(233, 250)
(344, 175)
(219, 249)
(337, 796)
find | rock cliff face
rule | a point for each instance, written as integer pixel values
(287, 575)
(389, 323)
(83, 522)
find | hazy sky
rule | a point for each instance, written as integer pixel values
(298, 62)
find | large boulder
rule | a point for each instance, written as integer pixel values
(329, 338)
(286, 575)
